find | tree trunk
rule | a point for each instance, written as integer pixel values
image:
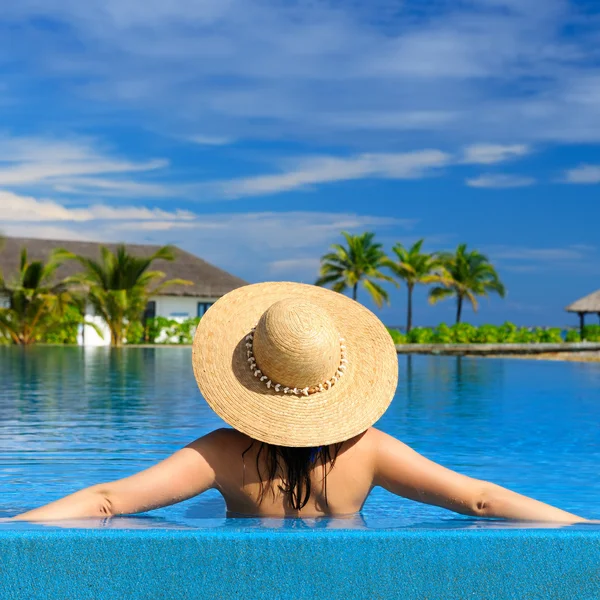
(115, 337)
(459, 303)
(355, 291)
(409, 311)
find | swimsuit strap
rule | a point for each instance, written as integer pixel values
(314, 452)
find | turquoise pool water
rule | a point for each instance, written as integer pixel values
(71, 417)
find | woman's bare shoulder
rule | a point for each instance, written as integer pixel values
(222, 441)
(373, 438)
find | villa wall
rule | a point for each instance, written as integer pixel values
(179, 307)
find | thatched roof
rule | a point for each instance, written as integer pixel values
(589, 304)
(208, 280)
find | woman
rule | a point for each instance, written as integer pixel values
(301, 374)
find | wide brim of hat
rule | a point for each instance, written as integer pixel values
(350, 407)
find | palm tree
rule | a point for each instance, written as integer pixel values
(36, 301)
(119, 286)
(466, 274)
(360, 261)
(413, 267)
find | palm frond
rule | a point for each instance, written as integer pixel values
(437, 294)
(378, 294)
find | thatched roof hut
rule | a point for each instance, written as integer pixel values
(208, 281)
(584, 306)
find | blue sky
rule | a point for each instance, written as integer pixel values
(251, 133)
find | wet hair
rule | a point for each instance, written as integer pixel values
(293, 466)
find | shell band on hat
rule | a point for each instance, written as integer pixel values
(306, 391)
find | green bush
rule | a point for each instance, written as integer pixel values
(65, 329)
(463, 333)
(397, 336)
(134, 333)
(420, 335)
(507, 333)
(553, 335)
(161, 330)
(573, 336)
(591, 333)
(486, 334)
(442, 334)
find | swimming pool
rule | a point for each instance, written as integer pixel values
(72, 417)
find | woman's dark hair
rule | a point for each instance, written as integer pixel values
(293, 466)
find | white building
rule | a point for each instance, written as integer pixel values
(177, 302)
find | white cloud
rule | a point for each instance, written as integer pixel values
(15, 208)
(327, 169)
(272, 69)
(570, 253)
(583, 174)
(500, 181)
(489, 154)
(75, 166)
(47, 232)
(254, 245)
(210, 140)
(522, 259)
(390, 119)
(304, 269)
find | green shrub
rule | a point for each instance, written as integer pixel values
(64, 330)
(442, 334)
(591, 333)
(160, 330)
(553, 335)
(397, 336)
(486, 334)
(524, 336)
(420, 335)
(134, 333)
(507, 333)
(463, 333)
(573, 336)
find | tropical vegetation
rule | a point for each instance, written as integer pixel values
(508, 333)
(160, 330)
(414, 267)
(467, 274)
(358, 262)
(38, 304)
(119, 286)
(42, 307)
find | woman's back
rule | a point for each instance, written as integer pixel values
(338, 487)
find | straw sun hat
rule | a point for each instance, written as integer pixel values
(293, 364)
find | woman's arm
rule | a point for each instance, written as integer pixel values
(187, 473)
(404, 472)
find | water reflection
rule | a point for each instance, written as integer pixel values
(71, 417)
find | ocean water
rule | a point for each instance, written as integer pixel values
(73, 417)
